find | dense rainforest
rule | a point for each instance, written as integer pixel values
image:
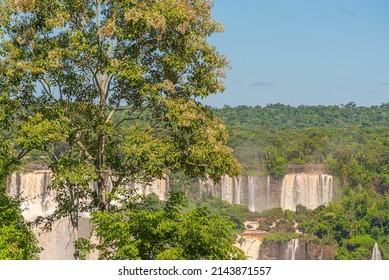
(352, 141)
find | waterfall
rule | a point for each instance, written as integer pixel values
(250, 246)
(33, 188)
(310, 190)
(376, 255)
(291, 249)
(238, 191)
(262, 193)
(160, 187)
(268, 192)
(251, 193)
(39, 200)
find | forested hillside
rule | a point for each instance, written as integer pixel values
(353, 141)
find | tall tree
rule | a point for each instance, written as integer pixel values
(109, 91)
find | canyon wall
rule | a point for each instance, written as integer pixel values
(296, 249)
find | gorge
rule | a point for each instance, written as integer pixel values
(258, 192)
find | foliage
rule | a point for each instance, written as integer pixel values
(17, 241)
(281, 116)
(359, 247)
(351, 225)
(276, 213)
(356, 155)
(237, 213)
(148, 229)
(108, 91)
(356, 221)
(279, 237)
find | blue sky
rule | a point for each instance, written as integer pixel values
(303, 52)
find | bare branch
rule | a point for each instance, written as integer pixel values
(46, 88)
(83, 148)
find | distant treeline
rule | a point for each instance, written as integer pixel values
(353, 141)
(279, 115)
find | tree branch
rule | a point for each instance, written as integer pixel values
(83, 148)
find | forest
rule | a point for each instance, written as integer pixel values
(352, 141)
(277, 135)
(104, 94)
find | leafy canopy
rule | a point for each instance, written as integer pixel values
(145, 228)
(17, 241)
(109, 91)
(70, 66)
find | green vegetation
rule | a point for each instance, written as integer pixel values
(351, 225)
(107, 92)
(279, 237)
(279, 116)
(17, 241)
(356, 153)
(356, 221)
(148, 229)
(237, 213)
(67, 68)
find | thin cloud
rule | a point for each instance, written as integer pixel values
(262, 84)
(384, 84)
(347, 11)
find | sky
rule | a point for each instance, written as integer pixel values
(303, 52)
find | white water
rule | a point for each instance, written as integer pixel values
(33, 188)
(250, 246)
(291, 249)
(160, 187)
(39, 200)
(376, 255)
(254, 191)
(310, 190)
(262, 193)
(251, 197)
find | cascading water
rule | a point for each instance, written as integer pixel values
(251, 193)
(268, 192)
(376, 255)
(310, 190)
(33, 188)
(262, 193)
(228, 190)
(291, 249)
(39, 200)
(250, 246)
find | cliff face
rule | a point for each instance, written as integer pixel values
(264, 192)
(296, 249)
